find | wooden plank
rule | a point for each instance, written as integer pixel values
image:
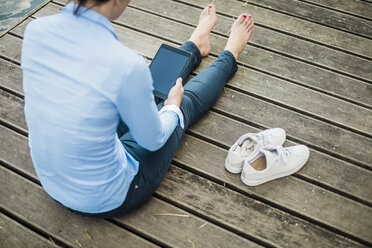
(274, 41)
(30, 202)
(177, 36)
(244, 214)
(272, 63)
(294, 26)
(239, 213)
(358, 91)
(178, 228)
(294, 194)
(330, 176)
(11, 73)
(12, 109)
(325, 136)
(320, 168)
(337, 217)
(334, 140)
(263, 37)
(357, 8)
(318, 15)
(151, 220)
(313, 132)
(311, 102)
(13, 235)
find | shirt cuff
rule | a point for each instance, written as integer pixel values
(176, 110)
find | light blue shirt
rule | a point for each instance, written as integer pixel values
(79, 81)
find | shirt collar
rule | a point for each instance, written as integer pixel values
(91, 15)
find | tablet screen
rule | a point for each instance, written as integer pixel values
(166, 67)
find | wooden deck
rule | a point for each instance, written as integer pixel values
(307, 69)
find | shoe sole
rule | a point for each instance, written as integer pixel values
(255, 183)
(232, 169)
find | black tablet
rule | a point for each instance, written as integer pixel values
(168, 64)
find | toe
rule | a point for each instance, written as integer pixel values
(250, 25)
(211, 8)
(205, 11)
(242, 18)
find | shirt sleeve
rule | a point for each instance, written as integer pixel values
(136, 105)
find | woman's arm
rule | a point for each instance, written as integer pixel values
(137, 108)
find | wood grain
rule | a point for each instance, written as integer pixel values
(13, 234)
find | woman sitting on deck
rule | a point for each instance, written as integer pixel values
(98, 142)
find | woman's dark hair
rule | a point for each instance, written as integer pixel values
(84, 2)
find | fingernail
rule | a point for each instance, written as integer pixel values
(210, 6)
(244, 16)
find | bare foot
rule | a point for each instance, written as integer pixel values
(200, 36)
(241, 32)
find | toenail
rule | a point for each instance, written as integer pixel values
(210, 6)
(250, 16)
(244, 16)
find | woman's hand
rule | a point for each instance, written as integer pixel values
(175, 94)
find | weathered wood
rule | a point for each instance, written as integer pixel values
(275, 41)
(358, 91)
(358, 8)
(278, 65)
(267, 192)
(320, 167)
(12, 109)
(304, 198)
(323, 168)
(29, 201)
(178, 228)
(294, 26)
(151, 220)
(331, 138)
(14, 235)
(319, 15)
(239, 212)
(9, 74)
(334, 140)
(309, 104)
(281, 192)
(263, 37)
(243, 213)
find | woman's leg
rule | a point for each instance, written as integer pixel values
(201, 92)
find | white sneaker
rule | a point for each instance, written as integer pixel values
(274, 162)
(248, 145)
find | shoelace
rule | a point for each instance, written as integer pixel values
(282, 152)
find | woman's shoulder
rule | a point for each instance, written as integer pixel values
(42, 24)
(127, 55)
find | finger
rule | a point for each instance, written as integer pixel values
(179, 81)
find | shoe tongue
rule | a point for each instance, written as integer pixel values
(270, 156)
(245, 148)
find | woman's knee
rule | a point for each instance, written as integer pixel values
(191, 108)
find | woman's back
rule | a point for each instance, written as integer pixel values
(73, 68)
